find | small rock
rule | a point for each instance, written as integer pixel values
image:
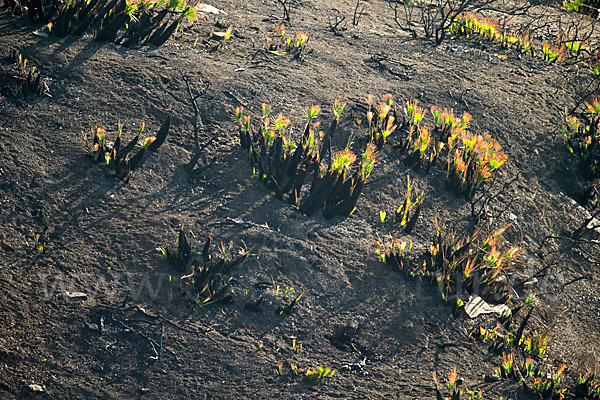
(93, 327)
(407, 324)
(529, 285)
(35, 388)
(75, 296)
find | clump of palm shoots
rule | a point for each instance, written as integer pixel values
(476, 262)
(286, 165)
(125, 22)
(28, 78)
(280, 45)
(207, 274)
(123, 160)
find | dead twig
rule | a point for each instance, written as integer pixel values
(585, 226)
(162, 335)
(335, 26)
(287, 8)
(154, 317)
(152, 343)
(242, 222)
(240, 102)
(486, 197)
(357, 14)
(197, 123)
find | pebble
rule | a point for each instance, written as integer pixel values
(35, 388)
(75, 296)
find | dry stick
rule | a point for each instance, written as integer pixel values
(584, 227)
(586, 95)
(241, 222)
(588, 256)
(158, 316)
(287, 6)
(407, 15)
(238, 100)
(574, 240)
(197, 120)
(486, 198)
(162, 335)
(334, 27)
(153, 344)
(357, 15)
(263, 52)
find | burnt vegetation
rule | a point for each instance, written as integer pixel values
(124, 158)
(129, 23)
(465, 261)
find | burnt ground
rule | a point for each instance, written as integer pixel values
(100, 236)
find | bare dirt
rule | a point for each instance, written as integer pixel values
(100, 235)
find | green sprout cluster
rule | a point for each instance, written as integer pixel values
(471, 159)
(582, 136)
(207, 280)
(454, 387)
(285, 165)
(123, 159)
(28, 79)
(452, 263)
(469, 24)
(280, 45)
(125, 22)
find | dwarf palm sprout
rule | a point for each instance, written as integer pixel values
(422, 141)
(575, 46)
(454, 387)
(525, 43)
(148, 141)
(237, 118)
(228, 33)
(414, 113)
(424, 145)
(338, 108)
(589, 384)
(408, 212)
(450, 260)
(312, 112)
(120, 158)
(281, 45)
(98, 146)
(300, 40)
(506, 368)
(528, 367)
(583, 139)
(397, 255)
(243, 122)
(594, 108)
(285, 165)
(551, 53)
(29, 80)
(473, 162)
(367, 162)
(383, 126)
(536, 345)
(342, 161)
(382, 215)
(437, 115)
(319, 373)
